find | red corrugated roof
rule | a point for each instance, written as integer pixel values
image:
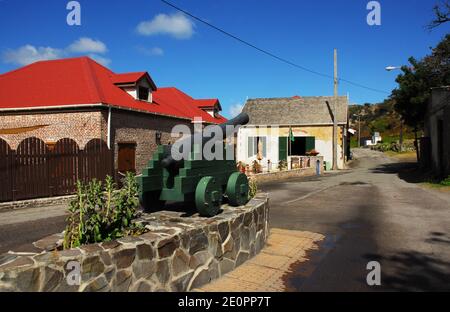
(178, 99)
(82, 81)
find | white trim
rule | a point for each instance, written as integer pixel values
(109, 128)
(50, 107)
(293, 125)
(88, 106)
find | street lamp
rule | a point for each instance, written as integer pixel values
(391, 68)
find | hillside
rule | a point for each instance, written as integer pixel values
(378, 118)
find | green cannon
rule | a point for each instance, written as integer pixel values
(193, 179)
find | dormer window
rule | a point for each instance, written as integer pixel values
(143, 93)
(138, 85)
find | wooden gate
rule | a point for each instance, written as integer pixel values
(5, 171)
(31, 170)
(64, 167)
(36, 170)
(96, 161)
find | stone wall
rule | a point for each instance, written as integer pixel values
(179, 253)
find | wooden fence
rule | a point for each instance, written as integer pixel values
(36, 169)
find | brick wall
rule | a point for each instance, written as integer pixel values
(81, 126)
(127, 126)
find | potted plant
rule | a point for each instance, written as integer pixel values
(312, 152)
(256, 167)
(282, 165)
(241, 167)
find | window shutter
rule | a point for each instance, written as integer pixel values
(251, 146)
(282, 148)
(264, 144)
(310, 144)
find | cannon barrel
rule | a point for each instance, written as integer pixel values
(239, 120)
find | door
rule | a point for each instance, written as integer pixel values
(127, 157)
(282, 148)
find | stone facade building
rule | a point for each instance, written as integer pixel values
(80, 99)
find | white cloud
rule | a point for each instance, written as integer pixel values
(100, 59)
(28, 53)
(87, 45)
(176, 25)
(155, 51)
(235, 109)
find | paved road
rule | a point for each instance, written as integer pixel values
(367, 213)
(20, 228)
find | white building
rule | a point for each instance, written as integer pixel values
(309, 118)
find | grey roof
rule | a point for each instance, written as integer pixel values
(311, 110)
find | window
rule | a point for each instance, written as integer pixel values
(158, 135)
(143, 93)
(254, 143)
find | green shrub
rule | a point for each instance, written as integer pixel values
(252, 188)
(100, 213)
(282, 165)
(446, 182)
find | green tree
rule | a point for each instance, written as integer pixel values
(415, 83)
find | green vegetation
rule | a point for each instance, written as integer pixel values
(282, 165)
(408, 146)
(252, 188)
(415, 83)
(381, 118)
(446, 181)
(404, 111)
(101, 213)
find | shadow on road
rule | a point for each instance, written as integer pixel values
(415, 271)
(407, 171)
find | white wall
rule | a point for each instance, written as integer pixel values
(133, 91)
(271, 149)
(272, 135)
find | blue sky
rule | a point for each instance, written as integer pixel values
(148, 35)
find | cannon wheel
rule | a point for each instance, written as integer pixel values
(208, 197)
(150, 201)
(237, 189)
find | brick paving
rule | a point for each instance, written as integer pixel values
(265, 271)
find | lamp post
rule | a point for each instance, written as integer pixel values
(391, 68)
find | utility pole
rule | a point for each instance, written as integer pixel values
(335, 134)
(401, 135)
(359, 130)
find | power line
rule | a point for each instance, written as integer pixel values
(279, 58)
